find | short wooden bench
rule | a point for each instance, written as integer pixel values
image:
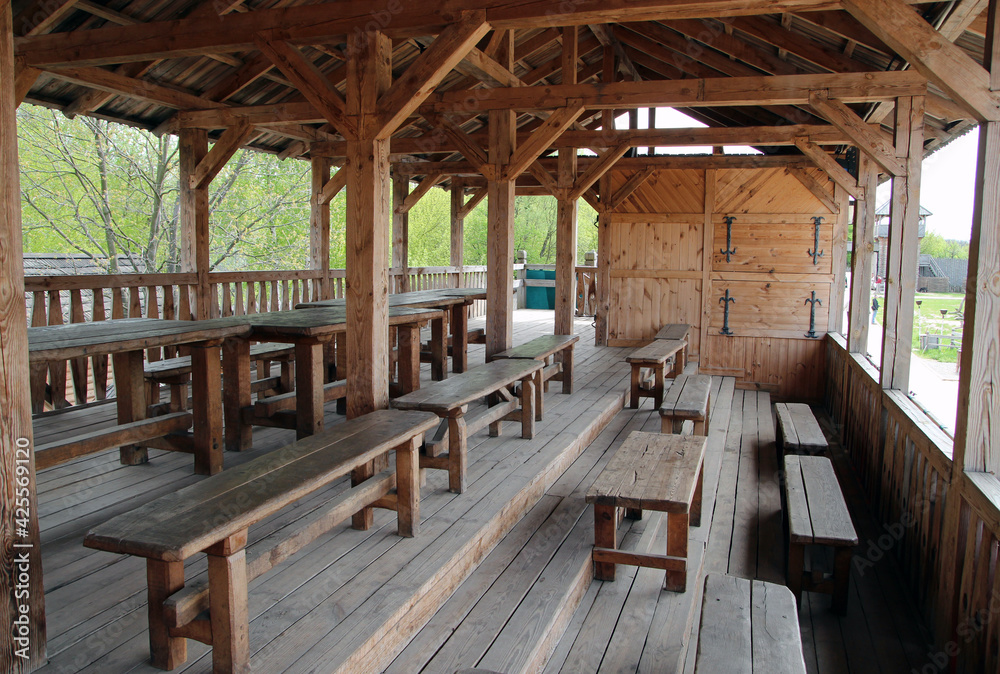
(689, 397)
(817, 515)
(653, 356)
(450, 399)
(677, 331)
(747, 627)
(176, 373)
(545, 349)
(213, 516)
(798, 429)
(649, 471)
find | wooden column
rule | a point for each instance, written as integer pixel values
(500, 222)
(193, 146)
(838, 261)
(22, 643)
(707, 250)
(458, 228)
(859, 317)
(401, 230)
(566, 212)
(904, 246)
(604, 221)
(368, 226)
(319, 224)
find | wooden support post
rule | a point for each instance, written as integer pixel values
(319, 224)
(22, 645)
(604, 221)
(861, 259)
(901, 267)
(500, 222)
(566, 214)
(400, 230)
(838, 261)
(458, 226)
(193, 146)
(368, 226)
(707, 244)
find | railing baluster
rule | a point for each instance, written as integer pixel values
(39, 371)
(152, 311)
(117, 304)
(274, 296)
(57, 370)
(78, 366)
(135, 303)
(99, 363)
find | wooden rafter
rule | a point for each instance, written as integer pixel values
(832, 168)
(473, 201)
(41, 16)
(223, 150)
(24, 79)
(143, 90)
(870, 140)
(426, 72)
(310, 82)
(546, 180)
(634, 182)
(93, 100)
(938, 59)
(541, 139)
(469, 148)
(332, 187)
(815, 187)
(481, 66)
(419, 191)
(606, 36)
(594, 172)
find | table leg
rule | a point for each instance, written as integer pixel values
(439, 350)
(308, 389)
(162, 580)
(539, 395)
(458, 456)
(131, 400)
(529, 394)
(605, 536)
(227, 592)
(636, 378)
(459, 338)
(409, 358)
(364, 518)
(677, 546)
(408, 487)
(236, 393)
(206, 403)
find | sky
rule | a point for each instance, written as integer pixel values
(946, 184)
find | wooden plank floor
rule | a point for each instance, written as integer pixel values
(500, 577)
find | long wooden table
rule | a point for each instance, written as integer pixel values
(310, 330)
(125, 341)
(454, 300)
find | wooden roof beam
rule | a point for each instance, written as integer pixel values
(815, 187)
(41, 16)
(937, 58)
(606, 36)
(332, 187)
(220, 154)
(24, 78)
(634, 182)
(832, 168)
(473, 201)
(540, 139)
(597, 169)
(871, 141)
(130, 87)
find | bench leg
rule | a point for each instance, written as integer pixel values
(666, 424)
(409, 358)
(677, 546)
(696, 501)
(658, 384)
(458, 459)
(439, 350)
(796, 567)
(605, 536)
(841, 578)
(567, 370)
(529, 395)
(636, 379)
(633, 513)
(162, 580)
(227, 592)
(364, 518)
(236, 392)
(308, 389)
(206, 404)
(408, 487)
(340, 367)
(459, 338)
(131, 400)
(539, 395)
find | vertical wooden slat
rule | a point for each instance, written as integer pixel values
(39, 371)
(457, 225)
(184, 303)
(57, 369)
(134, 302)
(274, 296)
(78, 365)
(193, 146)
(251, 298)
(319, 223)
(99, 362)
(400, 231)
(152, 311)
(861, 258)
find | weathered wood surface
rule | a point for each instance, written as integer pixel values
(674, 331)
(443, 297)
(800, 432)
(658, 351)
(181, 365)
(825, 520)
(478, 382)
(689, 397)
(540, 348)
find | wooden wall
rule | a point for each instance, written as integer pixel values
(659, 269)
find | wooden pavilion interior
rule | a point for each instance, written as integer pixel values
(491, 99)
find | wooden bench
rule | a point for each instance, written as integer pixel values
(817, 515)
(213, 516)
(449, 399)
(677, 331)
(653, 356)
(649, 471)
(689, 397)
(748, 626)
(544, 349)
(798, 429)
(176, 373)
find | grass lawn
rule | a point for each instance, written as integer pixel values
(927, 319)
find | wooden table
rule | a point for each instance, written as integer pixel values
(310, 330)
(650, 471)
(125, 341)
(455, 300)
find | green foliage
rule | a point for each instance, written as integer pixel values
(937, 246)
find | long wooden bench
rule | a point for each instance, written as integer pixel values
(450, 399)
(176, 373)
(649, 471)
(213, 516)
(798, 429)
(689, 397)
(747, 627)
(679, 331)
(817, 516)
(545, 349)
(654, 356)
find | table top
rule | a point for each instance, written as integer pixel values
(462, 389)
(651, 471)
(73, 340)
(325, 321)
(443, 297)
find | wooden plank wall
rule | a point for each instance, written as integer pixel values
(658, 270)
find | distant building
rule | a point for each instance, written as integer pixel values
(61, 264)
(882, 234)
(942, 274)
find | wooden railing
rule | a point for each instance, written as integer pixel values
(55, 300)
(942, 526)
